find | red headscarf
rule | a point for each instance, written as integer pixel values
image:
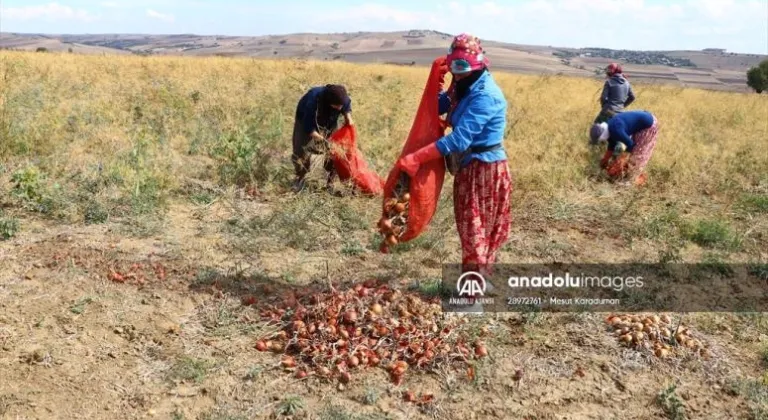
(614, 69)
(466, 55)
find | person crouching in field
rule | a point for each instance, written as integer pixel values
(317, 115)
(477, 110)
(633, 132)
(617, 94)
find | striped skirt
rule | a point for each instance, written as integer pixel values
(481, 205)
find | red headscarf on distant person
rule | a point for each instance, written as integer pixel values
(614, 69)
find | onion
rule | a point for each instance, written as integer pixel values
(353, 361)
(481, 351)
(406, 197)
(288, 362)
(396, 379)
(399, 208)
(385, 225)
(409, 397)
(345, 377)
(261, 345)
(377, 309)
(350, 317)
(391, 240)
(301, 374)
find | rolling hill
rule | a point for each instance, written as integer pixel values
(711, 69)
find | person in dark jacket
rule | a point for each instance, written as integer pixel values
(317, 115)
(617, 93)
(633, 132)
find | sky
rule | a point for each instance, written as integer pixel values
(736, 25)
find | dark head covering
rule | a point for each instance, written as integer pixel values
(334, 95)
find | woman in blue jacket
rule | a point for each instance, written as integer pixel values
(477, 112)
(633, 132)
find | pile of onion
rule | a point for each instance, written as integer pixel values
(655, 333)
(332, 334)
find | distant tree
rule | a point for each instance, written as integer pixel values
(41, 49)
(757, 77)
(69, 50)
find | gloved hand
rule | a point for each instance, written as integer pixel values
(410, 163)
(619, 149)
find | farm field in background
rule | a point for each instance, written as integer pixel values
(145, 203)
(709, 69)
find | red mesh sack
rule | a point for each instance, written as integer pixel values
(425, 187)
(350, 164)
(619, 166)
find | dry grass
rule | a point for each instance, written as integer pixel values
(110, 161)
(118, 135)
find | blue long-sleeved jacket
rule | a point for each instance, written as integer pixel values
(624, 125)
(479, 120)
